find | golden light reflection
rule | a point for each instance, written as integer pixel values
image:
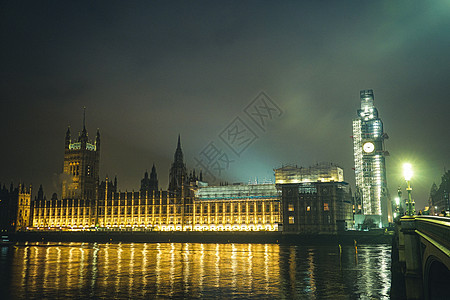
(58, 265)
(46, 270)
(201, 267)
(144, 268)
(106, 265)
(82, 265)
(186, 267)
(172, 268)
(158, 268)
(94, 266)
(25, 269)
(217, 266)
(194, 270)
(34, 265)
(131, 271)
(266, 267)
(250, 266)
(70, 267)
(119, 267)
(233, 266)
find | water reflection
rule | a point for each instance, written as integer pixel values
(77, 270)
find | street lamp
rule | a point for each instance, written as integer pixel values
(408, 173)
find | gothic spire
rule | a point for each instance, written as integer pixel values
(68, 137)
(97, 140)
(178, 173)
(84, 118)
(83, 138)
(178, 157)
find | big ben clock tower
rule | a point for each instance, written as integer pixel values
(370, 168)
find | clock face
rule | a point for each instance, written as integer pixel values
(368, 147)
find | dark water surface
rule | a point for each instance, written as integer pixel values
(183, 270)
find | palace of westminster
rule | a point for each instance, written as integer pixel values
(308, 200)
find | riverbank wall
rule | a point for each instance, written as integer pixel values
(344, 238)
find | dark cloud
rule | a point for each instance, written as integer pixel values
(149, 70)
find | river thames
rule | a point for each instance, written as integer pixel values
(184, 270)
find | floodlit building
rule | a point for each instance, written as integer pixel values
(372, 199)
(307, 200)
(321, 172)
(237, 207)
(189, 204)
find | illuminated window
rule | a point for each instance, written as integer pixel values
(308, 208)
(291, 220)
(325, 207)
(291, 207)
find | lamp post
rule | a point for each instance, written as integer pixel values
(407, 173)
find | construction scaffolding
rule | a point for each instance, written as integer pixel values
(237, 192)
(320, 172)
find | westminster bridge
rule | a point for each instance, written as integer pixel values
(423, 244)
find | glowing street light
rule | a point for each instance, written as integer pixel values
(408, 173)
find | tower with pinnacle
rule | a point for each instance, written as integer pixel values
(369, 155)
(81, 167)
(178, 173)
(149, 184)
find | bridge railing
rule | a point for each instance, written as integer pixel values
(423, 241)
(436, 230)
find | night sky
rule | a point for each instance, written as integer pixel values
(148, 71)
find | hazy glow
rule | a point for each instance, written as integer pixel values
(407, 171)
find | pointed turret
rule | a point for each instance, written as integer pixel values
(40, 193)
(83, 138)
(68, 137)
(149, 184)
(153, 179)
(178, 173)
(178, 157)
(97, 140)
(84, 119)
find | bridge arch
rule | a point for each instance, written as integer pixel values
(436, 275)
